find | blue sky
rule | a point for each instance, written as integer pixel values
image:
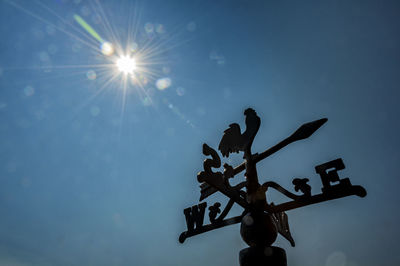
(98, 173)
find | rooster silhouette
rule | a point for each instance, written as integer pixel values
(234, 141)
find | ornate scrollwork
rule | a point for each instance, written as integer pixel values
(217, 180)
(301, 184)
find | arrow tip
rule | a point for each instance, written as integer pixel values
(318, 123)
(308, 129)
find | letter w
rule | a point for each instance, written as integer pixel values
(195, 215)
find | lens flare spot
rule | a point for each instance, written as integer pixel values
(91, 75)
(180, 91)
(29, 91)
(160, 29)
(146, 101)
(134, 47)
(50, 29)
(149, 27)
(52, 49)
(191, 26)
(94, 110)
(248, 220)
(126, 64)
(85, 11)
(337, 258)
(76, 47)
(44, 57)
(170, 131)
(25, 182)
(163, 83)
(107, 48)
(166, 70)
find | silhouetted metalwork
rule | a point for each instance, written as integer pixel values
(260, 221)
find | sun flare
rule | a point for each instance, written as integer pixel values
(126, 64)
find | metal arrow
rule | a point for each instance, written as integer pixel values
(303, 132)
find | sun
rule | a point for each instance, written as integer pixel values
(126, 64)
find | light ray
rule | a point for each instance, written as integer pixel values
(88, 28)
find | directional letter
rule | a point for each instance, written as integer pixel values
(195, 216)
(328, 173)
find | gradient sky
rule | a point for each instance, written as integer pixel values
(95, 174)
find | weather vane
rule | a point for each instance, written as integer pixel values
(260, 221)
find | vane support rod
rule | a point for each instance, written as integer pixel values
(210, 227)
(331, 195)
